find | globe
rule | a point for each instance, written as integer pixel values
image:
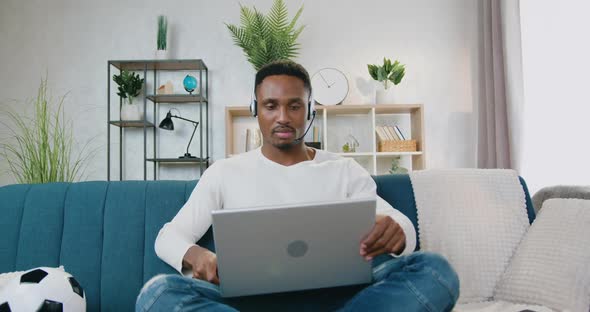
(190, 83)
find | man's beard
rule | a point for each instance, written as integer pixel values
(284, 146)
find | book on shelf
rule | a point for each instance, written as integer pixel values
(399, 132)
(392, 133)
(385, 134)
(389, 133)
(381, 135)
(316, 136)
(390, 136)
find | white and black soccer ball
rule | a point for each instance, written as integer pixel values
(42, 289)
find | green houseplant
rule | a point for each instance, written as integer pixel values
(395, 166)
(386, 74)
(40, 149)
(130, 85)
(267, 38)
(162, 41)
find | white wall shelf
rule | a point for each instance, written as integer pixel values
(337, 122)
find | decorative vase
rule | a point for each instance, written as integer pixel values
(351, 144)
(131, 112)
(162, 55)
(189, 83)
(385, 96)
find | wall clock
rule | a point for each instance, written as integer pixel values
(330, 86)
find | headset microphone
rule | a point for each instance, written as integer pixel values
(298, 140)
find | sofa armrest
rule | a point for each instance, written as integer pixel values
(559, 191)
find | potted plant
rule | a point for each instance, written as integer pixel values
(395, 166)
(386, 75)
(162, 42)
(130, 85)
(267, 38)
(41, 146)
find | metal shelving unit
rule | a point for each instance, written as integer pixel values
(200, 99)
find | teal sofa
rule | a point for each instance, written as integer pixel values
(104, 232)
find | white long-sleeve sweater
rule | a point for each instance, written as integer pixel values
(250, 180)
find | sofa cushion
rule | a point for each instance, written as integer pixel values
(81, 245)
(41, 225)
(551, 265)
(12, 201)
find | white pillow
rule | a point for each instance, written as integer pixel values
(551, 266)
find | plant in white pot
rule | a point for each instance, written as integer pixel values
(130, 85)
(162, 51)
(386, 75)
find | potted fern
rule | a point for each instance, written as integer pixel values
(162, 42)
(129, 87)
(386, 75)
(265, 38)
(41, 146)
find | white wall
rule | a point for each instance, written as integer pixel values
(72, 41)
(556, 71)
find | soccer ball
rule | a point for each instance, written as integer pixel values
(42, 289)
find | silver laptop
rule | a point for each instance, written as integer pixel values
(292, 247)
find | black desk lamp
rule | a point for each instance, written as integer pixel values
(167, 124)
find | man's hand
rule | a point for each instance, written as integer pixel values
(203, 263)
(385, 237)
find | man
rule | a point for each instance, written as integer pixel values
(283, 171)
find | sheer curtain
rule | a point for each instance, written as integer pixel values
(495, 142)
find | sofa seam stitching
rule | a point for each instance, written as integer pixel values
(144, 231)
(20, 228)
(104, 204)
(63, 219)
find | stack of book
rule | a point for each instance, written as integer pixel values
(389, 133)
(316, 137)
(391, 139)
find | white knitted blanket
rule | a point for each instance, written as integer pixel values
(473, 217)
(499, 306)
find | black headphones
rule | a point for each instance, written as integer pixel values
(310, 107)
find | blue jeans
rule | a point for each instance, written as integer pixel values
(422, 281)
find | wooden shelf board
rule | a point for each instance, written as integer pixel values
(131, 123)
(360, 154)
(176, 98)
(159, 64)
(385, 154)
(177, 160)
(397, 108)
(345, 109)
(238, 111)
